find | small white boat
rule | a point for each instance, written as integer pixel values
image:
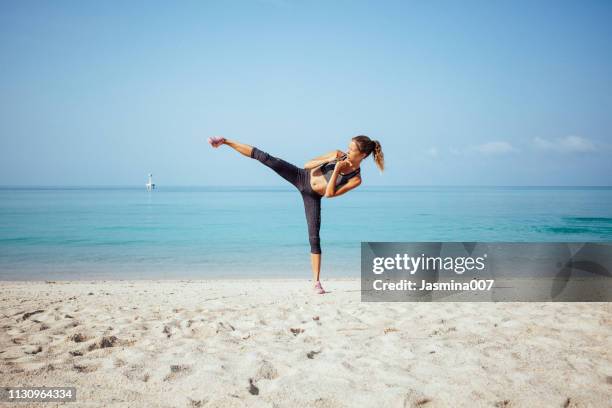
(150, 185)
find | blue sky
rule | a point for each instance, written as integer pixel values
(458, 93)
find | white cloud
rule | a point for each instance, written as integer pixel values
(454, 150)
(568, 144)
(432, 151)
(496, 147)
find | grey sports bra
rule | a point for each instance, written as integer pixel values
(328, 169)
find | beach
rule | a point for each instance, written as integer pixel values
(275, 343)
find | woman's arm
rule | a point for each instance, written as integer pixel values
(314, 163)
(322, 159)
(330, 190)
(351, 184)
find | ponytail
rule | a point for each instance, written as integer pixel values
(379, 157)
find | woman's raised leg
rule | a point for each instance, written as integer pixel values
(286, 170)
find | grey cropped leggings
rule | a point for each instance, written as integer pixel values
(300, 178)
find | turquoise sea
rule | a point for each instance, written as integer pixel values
(198, 232)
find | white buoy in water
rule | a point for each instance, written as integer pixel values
(150, 185)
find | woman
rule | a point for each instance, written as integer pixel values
(329, 175)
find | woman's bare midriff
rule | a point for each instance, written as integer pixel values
(318, 183)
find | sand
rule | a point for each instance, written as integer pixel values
(275, 343)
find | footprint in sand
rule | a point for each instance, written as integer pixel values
(26, 315)
(197, 403)
(78, 337)
(177, 370)
(109, 341)
(33, 350)
(415, 399)
(81, 368)
(266, 371)
(224, 327)
(252, 388)
(135, 372)
(73, 323)
(119, 362)
(296, 331)
(170, 327)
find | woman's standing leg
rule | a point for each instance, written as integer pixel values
(315, 262)
(312, 209)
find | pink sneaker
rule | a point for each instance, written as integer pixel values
(319, 289)
(216, 141)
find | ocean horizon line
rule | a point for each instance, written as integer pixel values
(283, 187)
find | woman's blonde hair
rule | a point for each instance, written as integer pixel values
(367, 146)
